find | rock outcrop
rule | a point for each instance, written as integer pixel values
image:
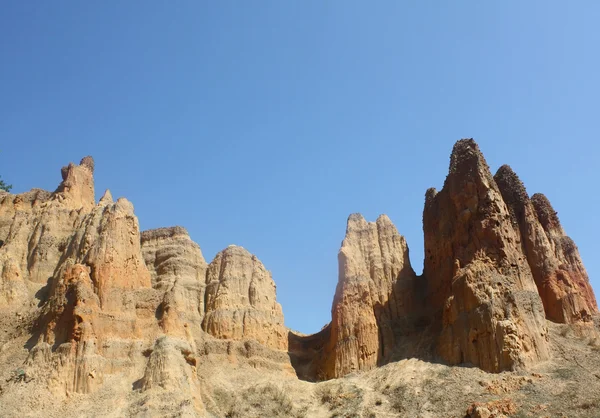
(241, 301)
(178, 271)
(478, 277)
(111, 304)
(77, 187)
(69, 341)
(35, 228)
(370, 296)
(90, 324)
(553, 257)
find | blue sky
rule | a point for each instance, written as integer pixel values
(266, 123)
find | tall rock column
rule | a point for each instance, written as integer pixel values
(553, 257)
(373, 265)
(478, 276)
(241, 300)
(108, 241)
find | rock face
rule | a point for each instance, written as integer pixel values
(478, 278)
(240, 300)
(178, 271)
(373, 263)
(69, 334)
(108, 304)
(77, 187)
(36, 226)
(553, 257)
(90, 322)
(117, 302)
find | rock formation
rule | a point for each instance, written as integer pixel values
(108, 303)
(36, 226)
(373, 265)
(117, 302)
(178, 271)
(478, 277)
(240, 300)
(553, 257)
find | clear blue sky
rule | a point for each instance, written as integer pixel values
(266, 123)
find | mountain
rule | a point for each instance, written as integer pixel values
(98, 318)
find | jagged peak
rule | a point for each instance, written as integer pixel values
(547, 216)
(106, 197)
(355, 220)
(467, 161)
(512, 189)
(77, 186)
(88, 162)
(383, 219)
(234, 249)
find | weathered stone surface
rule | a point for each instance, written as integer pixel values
(89, 326)
(171, 369)
(145, 310)
(35, 228)
(241, 300)
(178, 271)
(77, 188)
(108, 241)
(373, 263)
(68, 343)
(553, 257)
(566, 291)
(478, 276)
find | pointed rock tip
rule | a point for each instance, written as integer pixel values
(356, 217)
(384, 219)
(88, 162)
(511, 187)
(106, 197)
(124, 204)
(233, 249)
(430, 194)
(466, 153)
(547, 216)
(355, 221)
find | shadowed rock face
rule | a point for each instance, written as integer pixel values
(478, 277)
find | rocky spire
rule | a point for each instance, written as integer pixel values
(478, 278)
(77, 187)
(373, 260)
(553, 257)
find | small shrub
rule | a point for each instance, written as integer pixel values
(565, 331)
(564, 373)
(590, 405)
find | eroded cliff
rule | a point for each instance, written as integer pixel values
(104, 303)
